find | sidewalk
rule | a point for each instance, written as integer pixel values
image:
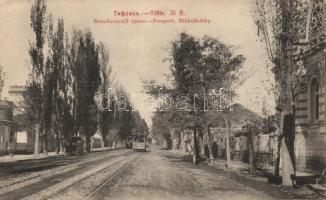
(262, 181)
(19, 157)
(240, 169)
(14, 158)
(236, 165)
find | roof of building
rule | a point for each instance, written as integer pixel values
(238, 116)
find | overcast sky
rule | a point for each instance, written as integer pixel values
(137, 51)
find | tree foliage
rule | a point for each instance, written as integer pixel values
(197, 67)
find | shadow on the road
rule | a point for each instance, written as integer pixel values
(181, 158)
(300, 180)
(271, 186)
(146, 151)
(273, 179)
(175, 158)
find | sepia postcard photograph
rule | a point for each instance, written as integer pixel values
(162, 99)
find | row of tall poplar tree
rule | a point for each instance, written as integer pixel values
(67, 75)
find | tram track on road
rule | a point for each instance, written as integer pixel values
(73, 188)
(118, 173)
(53, 175)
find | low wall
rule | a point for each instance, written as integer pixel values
(24, 148)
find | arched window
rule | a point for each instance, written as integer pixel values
(314, 100)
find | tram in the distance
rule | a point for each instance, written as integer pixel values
(139, 142)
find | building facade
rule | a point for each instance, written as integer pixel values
(310, 145)
(310, 138)
(8, 128)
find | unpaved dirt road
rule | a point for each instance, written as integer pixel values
(158, 175)
(127, 175)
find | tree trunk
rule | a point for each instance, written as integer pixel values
(182, 142)
(37, 140)
(278, 156)
(201, 143)
(113, 144)
(57, 145)
(195, 153)
(227, 145)
(165, 143)
(45, 150)
(169, 142)
(287, 164)
(45, 144)
(88, 143)
(102, 141)
(62, 150)
(102, 144)
(292, 154)
(92, 143)
(209, 142)
(228, 153)
(179, 141)
(251, 153)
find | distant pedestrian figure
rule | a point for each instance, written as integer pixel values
(215, 150)
(67, 148)
(207, 153)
